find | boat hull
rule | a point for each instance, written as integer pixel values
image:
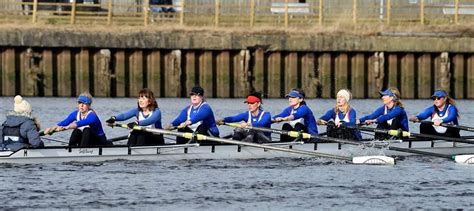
(194, 151)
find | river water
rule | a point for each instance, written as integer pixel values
(269, 184)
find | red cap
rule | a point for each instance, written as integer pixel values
(252, 100)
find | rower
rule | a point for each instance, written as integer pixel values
(342, 115)
(298, 116)
(443, 110)
(197, 117)
(20, 129)
(147, 114)
(255, 117)
(391, 115)
(86, 125)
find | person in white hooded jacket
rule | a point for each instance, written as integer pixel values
(20, 129)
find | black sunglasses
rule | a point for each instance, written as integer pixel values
(436, 98)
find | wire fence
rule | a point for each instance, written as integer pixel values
(250, 13)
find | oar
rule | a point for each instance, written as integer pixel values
(55, 140)
(118, 138)
(400, 133)
(355, 160)
(471, 129)
(293, 134)
(466, 159)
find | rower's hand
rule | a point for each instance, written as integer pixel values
(111, 120)
(339, 124)
(184, 124)
(169, 127)
(279, 119)
(321, 122)
(413, 119)
(131, 125)
(220, 122)
(370, 121)
(437, 122)
(357, 121)
(49, 130)
(243, 125)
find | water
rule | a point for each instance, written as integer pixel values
(269, 184)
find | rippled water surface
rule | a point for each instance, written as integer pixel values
(269, 184)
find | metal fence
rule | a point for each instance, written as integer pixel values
(222, 13)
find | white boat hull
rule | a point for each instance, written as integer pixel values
(194, 151)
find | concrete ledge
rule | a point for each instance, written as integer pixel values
(230, 40)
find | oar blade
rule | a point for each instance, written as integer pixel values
(374, 160)
(464, 159)
(5, 153)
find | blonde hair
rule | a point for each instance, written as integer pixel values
(396, 99)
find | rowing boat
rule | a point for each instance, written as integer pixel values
(55, 154)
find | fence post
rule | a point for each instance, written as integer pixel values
(109, 12)
(422, 12)
(35, 10)
(389, 11)
(146, 9)
(354, 11)
(73, 11)
(181, 17)
(217, 13)
(286, 13)
(321, 12)
(456, 11)
(252, 12)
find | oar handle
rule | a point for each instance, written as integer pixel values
(398, 133)
(293, 134)
(450, 125)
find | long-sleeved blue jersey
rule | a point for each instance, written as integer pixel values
(450, 110)
(392, 113)
(303, 112)
(348, 119)
(153, 119)
(91, 120)
(201, 113)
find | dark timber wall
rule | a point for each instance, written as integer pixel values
(230, 65)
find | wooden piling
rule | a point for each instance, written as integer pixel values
(470, 77)
(191, 71)
(173, 74)
(8, 72)
(275, 75)
(309, 77)
(27, 74)
(64, 74)
(82, 71)
(425, 74)
(206, 73)
(458, 67)
(258, 71)
(291, 72)
(325, 74)
(358, 82)
(136, 72)
(393, 67)
(407, 75)
(154, 72)
(120, 73)
(47, 70)
(341, 71)
(223, 74)
(242, 73)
